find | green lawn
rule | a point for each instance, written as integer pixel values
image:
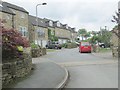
(51, 50)
(102, 50)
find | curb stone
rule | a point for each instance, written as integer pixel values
(65, 80)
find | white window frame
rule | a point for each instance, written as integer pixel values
(39, 31)
(50, 23)
(58, 24)
(23, 31)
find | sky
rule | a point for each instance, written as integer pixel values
(88, 14)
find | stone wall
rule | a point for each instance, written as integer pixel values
(15, 68)
(37, 52)
(115, 51)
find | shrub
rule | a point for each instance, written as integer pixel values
(65, 45)
(69, 45)
(12, 43)
(33, 45)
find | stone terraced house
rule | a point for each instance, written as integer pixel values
(73, 34)
(62, 32)
(7, 16)
(50, 27)
(38, 33)
(19, 19)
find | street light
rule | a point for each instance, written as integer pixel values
(37, 18)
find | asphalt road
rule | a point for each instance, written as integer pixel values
(86, 70)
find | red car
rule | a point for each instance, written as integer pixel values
(84, 47)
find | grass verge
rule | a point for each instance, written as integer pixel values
(103, 50)
(51, 50)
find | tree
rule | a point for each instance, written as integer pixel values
(94, 39)
(82, 33)
(87, 35)
(116, 19)
(104, 37)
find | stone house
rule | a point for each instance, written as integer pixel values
(38, 33)
(20, 19)
(59, 30)
(62, 32)
(73, 34)
(114, 42)
(50, 26)
(6, 16)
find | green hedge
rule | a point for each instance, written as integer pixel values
(69, 45)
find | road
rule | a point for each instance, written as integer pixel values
(86, 70)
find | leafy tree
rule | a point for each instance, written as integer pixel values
(116, 19)
(82, 32)
(87, 35)
(94, 39)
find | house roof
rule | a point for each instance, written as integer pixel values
(6, 10)
(6, 4)
(62, 26)
(47, 22)
(41, 22)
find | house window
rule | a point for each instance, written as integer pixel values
(66, 26)
(50, 23)
(23, 31)
(58, 24)
(41, 33)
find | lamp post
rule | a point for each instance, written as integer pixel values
(37, 19)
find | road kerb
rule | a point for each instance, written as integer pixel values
(64, 81)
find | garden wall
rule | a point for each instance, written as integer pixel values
(15, 68)
(37, 52)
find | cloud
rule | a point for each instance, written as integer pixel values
(89, 14)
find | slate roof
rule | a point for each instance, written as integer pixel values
(47, 22)
(6, 4)
(41, 22)
(5, 9)
(62, 26)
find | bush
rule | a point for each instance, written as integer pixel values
(33, 45)
(65, 45)
(69, 45)
(12, 43)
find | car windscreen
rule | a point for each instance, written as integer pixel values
(85, 44)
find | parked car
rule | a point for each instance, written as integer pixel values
(102, 45)
(53, 45)
(84, 47)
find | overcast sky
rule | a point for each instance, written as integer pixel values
(88, 14)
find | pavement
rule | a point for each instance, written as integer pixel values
(46, 74)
